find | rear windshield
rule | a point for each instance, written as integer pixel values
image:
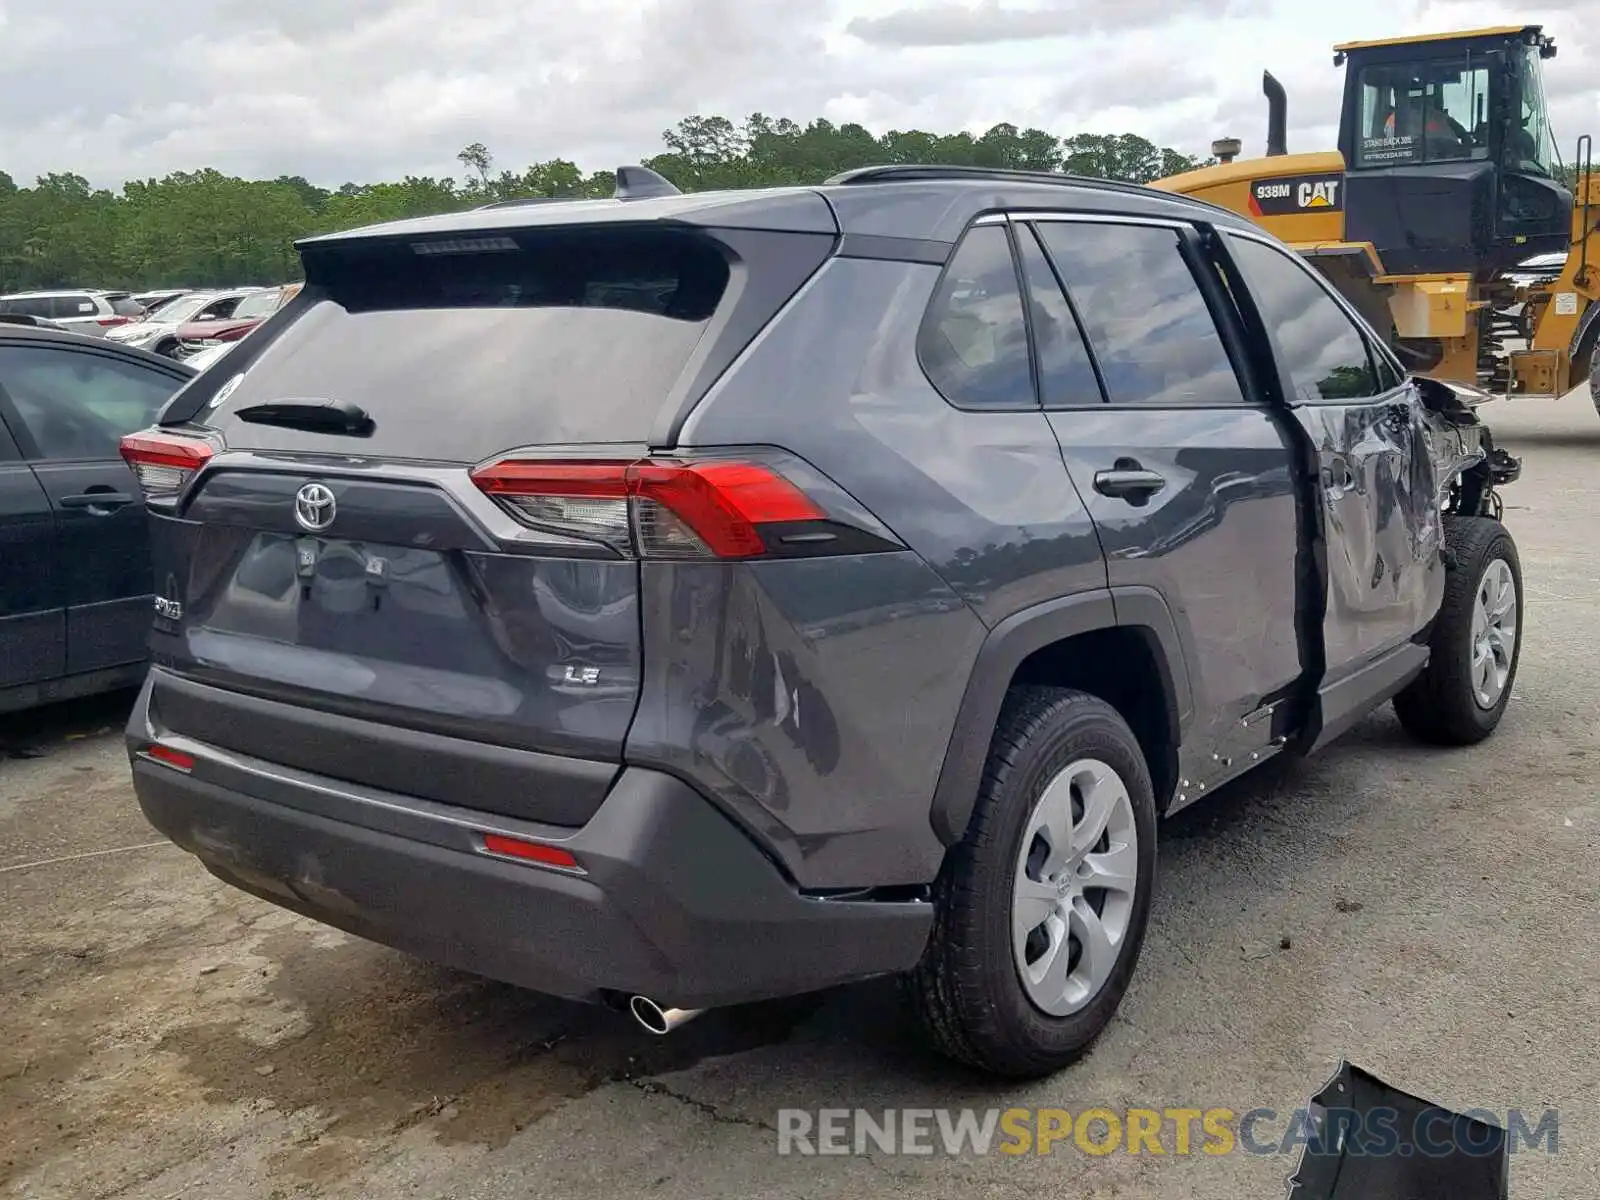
(126, 306)
(459, 350)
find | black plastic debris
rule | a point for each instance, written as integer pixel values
(1366, 1140)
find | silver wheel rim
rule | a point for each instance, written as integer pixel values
(1494, 633)
(1072, 899)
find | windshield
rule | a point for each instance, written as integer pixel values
(1423, 112)
(1531, 145)
(257, 306)
(179, 310)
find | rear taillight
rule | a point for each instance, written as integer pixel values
(109, 322)
(657, 509)
(164, 463)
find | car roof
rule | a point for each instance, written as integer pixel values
(47, 293)
(14, 334)
(930, 203)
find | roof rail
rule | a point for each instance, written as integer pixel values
(934, 171)
(523, 201)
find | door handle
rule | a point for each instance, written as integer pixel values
(1337, 476)
(1129, 481)
(97, 501)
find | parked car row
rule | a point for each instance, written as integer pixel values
(195, 320)
(89, 311)
(75, 597)
(173, 322)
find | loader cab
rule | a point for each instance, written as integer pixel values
(1451, 163)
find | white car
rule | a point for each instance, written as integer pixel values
(159, 331)
(90, 311)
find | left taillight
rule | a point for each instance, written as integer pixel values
(657, 509)
(111, 322)
(164, 463)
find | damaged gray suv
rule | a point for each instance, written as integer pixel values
(674, 601)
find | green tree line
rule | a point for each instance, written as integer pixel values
(203, 228)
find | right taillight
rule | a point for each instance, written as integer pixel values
(164, 463)
(659, 509)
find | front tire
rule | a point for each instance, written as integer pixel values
(1476, 641)
(1040, 910)
(1594, 376)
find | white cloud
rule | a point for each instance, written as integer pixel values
(342, 90)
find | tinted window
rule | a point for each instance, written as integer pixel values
(76, 305)
(77, 404)
(127, 306)
(1144, 313)
(1390, 376)
(1066, 375)
(1425, 111)
(576, 336)
(1318, 346)
(974, 343)
(28, 306)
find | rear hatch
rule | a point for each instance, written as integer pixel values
(351, 580)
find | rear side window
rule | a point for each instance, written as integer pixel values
(974, 341)
(1320, 348)
(463, 349)
(1144, 313)
(1066, 375)
(63, 307)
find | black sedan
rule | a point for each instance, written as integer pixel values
(75, 583)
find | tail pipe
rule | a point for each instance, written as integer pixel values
(1277, 115)
(657, 1020)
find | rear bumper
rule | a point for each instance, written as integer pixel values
(675, 901)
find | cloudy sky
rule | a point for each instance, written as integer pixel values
(375, 89)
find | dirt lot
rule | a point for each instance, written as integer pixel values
(166, 1037)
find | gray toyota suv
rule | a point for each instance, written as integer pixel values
(681, 600)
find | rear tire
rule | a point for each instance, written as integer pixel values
(1066, 773)
(1476, 641)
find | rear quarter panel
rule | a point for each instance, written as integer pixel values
(874, 652)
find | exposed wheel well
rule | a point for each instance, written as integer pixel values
(1123, 667)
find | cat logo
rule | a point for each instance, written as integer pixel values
(1297, 194)
(1322, 194)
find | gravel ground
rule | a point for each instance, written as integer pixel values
(167, 1037)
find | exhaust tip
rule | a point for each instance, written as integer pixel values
(657, 1020)
(648, 1013)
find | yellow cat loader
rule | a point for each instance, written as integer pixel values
(1446, 177)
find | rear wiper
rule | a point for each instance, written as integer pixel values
(313, 416)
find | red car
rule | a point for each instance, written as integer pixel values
(255, 308)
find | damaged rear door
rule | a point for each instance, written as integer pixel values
(1376, 495)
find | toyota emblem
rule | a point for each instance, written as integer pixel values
(314, 508)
